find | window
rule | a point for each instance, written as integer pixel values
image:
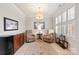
(64, 29)
(71, 28)
(63, 25)
(56, 28)
(71, 13)
(56, 20)
(59, 29)
(58, 25)
(64, 16)
(59, 19)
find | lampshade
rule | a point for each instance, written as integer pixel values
(51, 31)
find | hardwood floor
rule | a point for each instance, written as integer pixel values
(40, 47)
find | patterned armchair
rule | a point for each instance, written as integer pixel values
(30, 37)
(49, 38)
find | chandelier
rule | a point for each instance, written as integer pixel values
(39, 14)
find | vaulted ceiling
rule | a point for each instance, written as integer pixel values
(29, 9)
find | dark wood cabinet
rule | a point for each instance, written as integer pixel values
(18, 41)
(6, 45)
(10, 44)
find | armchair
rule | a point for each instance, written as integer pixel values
(30, 37)
(49, 38)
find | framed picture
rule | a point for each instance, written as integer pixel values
(39, 25)
(10, 24)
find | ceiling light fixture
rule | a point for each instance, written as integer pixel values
(39, 14)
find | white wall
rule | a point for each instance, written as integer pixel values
(77, 28)
(11, 11)
(30, 22)
(74, 38)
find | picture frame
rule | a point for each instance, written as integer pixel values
(36, 24)
(10, 24)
